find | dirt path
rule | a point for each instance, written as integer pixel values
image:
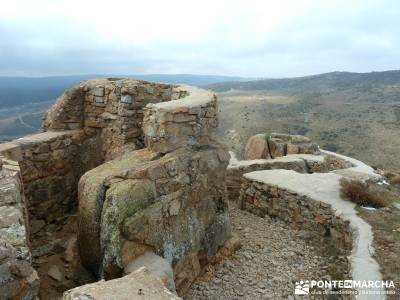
(272, 258)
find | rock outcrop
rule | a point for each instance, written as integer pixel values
(263, 146)
(257, 147)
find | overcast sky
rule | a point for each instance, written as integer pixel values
(246, 38)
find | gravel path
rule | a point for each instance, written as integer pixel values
(271, 259)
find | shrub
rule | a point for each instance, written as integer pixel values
(395, 179)
(360, 192)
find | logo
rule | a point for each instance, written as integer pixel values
(302, 287)
(344, 287)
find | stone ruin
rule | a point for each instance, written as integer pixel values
(139, 163)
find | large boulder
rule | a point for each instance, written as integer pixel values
(175, 206)
(257, 147)
(263, 146)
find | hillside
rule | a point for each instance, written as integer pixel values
(356, 114)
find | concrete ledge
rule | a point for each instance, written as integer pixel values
(11, 151)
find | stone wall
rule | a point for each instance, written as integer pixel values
(110, 108)
(236, 169)
(89, 123)
(300, 211)
(301, 163)
(185, 122)
(18, 280)
(51, 164)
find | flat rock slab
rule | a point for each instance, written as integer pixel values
(137, 285)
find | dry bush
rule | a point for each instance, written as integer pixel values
(395, 179)
(360, 193)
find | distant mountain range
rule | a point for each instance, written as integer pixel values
(315, 83)
(16, 91)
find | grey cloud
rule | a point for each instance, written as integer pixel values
(362, 37)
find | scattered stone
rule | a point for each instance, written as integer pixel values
(37, 225)
(55, 245)
(69, 249)
(267, 273)
(55, 273)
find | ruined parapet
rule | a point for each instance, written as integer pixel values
(188, 121)
(109, 108)
(262, 196)
(169, 198)
(237, 168)
(301, 163)
(18, 280)
(51, 164)
(89, 123)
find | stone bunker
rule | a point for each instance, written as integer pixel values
(151, 177)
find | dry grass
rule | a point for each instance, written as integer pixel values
(361, 193)
(251, 97)
(385, 225)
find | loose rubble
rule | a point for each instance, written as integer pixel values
(272, 258)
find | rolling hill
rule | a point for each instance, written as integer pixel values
(357, 114)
